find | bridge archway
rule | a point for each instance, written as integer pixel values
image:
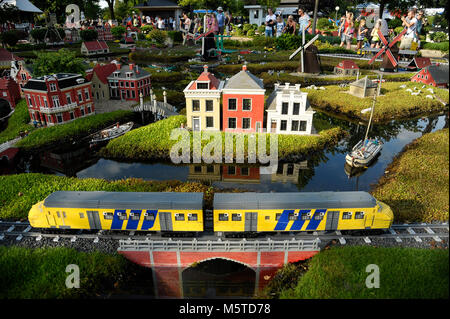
(5, 108)
(218, 277)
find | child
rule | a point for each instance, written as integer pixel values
(280, 25)
(362, 30)
(375, 42)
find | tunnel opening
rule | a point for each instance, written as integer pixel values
(218, 278)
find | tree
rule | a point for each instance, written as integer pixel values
(62, 61)
(111, 9)
(88, 35)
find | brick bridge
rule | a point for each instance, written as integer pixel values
(169, 258)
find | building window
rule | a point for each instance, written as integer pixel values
(52, 87)
(231, 170)
(55, 101)
(247, 104)
(202, 86)
(232, 122)
(24, 76)
(72, 116)
(232, 105)
(210, 169)
(133, 94)
(80, 96)
(296, 110)
(195, 106)
(302, 126)
(59, 118)
(82, 111)
(132, 84)
(284, 108)
(30, 101)
(246, 123)
(209, 105)
(116, 74)
(197, 169)
(283, 125)
(294, 126)
(68, 98)
(89, 109)
(126, 84)
(86, 94)
(245, 171)
(209, 121)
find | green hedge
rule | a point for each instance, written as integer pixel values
(18, 122)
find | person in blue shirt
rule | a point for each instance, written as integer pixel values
(280, 26)
(220, 19)
(304, 21)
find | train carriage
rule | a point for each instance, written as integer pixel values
(294, 212)
(133, 211)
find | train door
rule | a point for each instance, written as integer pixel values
(369, 220)
(51, 219)
(165, 221)
(61, 219)
(251, 222)
(332, 220)
(94, 219)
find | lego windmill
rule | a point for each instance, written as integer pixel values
(390, 52)
(309, 61)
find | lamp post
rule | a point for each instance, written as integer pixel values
(337, 9)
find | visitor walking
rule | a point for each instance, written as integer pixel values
(228, 25)
(220, 20)
(270, 22)
(304, 21)
(347, 35)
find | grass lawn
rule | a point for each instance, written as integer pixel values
(51, 135)
(153, 141)
(41, 273)
(20, 192)
(340, 272)
(394, 102)
(18, 121)
(417, 185)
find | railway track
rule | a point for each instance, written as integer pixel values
(398, 233)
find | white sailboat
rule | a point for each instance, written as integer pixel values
(366, 150)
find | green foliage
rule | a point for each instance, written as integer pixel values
(41, 273)
(251, 33)
(176, 36)
(340, 273)
(158, 36)
(324, 24)
(88, 34)
(246, 27)
(415, 191)
(69, 132)
(442, 46)
(38, 34)
(394, 23)
(146, 28)
(18, 122)
(288, 42)
(10, 37)
(118, 31)
(62, 61)
(261, 29)
(439, 36)
(148, 57)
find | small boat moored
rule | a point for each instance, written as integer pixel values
(110, 132)
(364, 152)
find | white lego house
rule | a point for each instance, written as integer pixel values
(288, 111)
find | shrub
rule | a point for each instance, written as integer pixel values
(176, 36)
(247, 27)
(118, 31)
(38, 34)
(397, 30)
(262, 29)
(439, 37)
(442, 46)
(394, 23)
(288, 42)
(146, 28)
(88, 35)
(324, 24)
(250, 33)
(10, 37)
(157, 36)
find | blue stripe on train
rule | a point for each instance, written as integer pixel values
(314, 223)
(133, 224)
(298, 223)
(283, 220)
(147, 224)
(117, 223)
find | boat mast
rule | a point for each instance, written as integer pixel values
(377, 91)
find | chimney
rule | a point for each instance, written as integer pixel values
(131, 66)
(118, 66)
(297, 87)
(205, 68)
(244, 67)
(165, 97)
(137, 69)
(286, 85)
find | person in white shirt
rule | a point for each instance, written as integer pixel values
(409, 22)
(271, 20)
(160, 23)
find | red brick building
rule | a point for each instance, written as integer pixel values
(20, 72)
(436, 75)
(128, 81)
(243, 103)
(58, 98)
(9, 91)
(346, 67)
(95, 47)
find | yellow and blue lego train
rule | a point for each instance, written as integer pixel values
(172, 212)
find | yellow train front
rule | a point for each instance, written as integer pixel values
(296, 212)
(132, 211)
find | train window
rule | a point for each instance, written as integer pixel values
(347, 215)
(107, 215)
(359, 215)
(267, 217)
(192, 217)
(148, 216)
(64, 214)
(223, 217)
(57, 213)
(306, 216)
(236, 217)
(122, 216)
(277, 216)
(179, 217)
(318, 216)
(134, 216)
(81, 215)
(292, 216)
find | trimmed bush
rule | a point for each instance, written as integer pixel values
(88, 35)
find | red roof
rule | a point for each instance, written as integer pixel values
(5, 55)
(129, 40)
(102, 71)
(95, 45)
(419, 63)
(206, 77)
(347, 64)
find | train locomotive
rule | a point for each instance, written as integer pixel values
(233, 213)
